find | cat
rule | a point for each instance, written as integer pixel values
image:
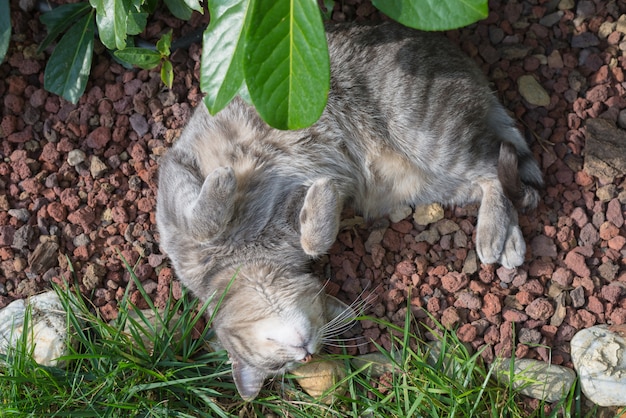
(409, 120)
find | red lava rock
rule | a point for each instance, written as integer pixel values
(594, 305)
(83, 216)
(576, 262)
(524, 297)
(453, 282)
(514, 315)
(57, 211)
(406, 268)
(450, 318)
(614, 213)
(611, 293)
(465, 299)
(617, 243)
(563, 277)
(618, 316)
(467, 333)
(99, 138)
(6, 235)
(543, 246)
(491, 305)
(608, 231)
(540, 308)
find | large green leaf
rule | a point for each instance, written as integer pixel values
(69, 65)
(111, 17)
(287, 66)
(59, 19)
(434, 14)
(5, 28)
(179, 9)
(221, 66)
(194, 5)
(136, 22)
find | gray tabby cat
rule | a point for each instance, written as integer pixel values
(409, 120)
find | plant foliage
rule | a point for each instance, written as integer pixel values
(271, 52)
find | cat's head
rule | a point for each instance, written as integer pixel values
(274, 322)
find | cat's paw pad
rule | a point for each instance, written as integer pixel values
(514, 248)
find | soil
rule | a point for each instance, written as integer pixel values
(78, 184)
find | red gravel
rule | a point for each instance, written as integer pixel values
(83, 176)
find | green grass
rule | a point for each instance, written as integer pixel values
(164, 370)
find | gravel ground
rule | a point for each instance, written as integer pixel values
(77, 183)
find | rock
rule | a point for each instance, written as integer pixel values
(75, 157)
(430, 236)
(585, 40)
(47, 327)
(566, 4)
(599, 357)
(427, 214)
(446, 226)
(400, 213)
(22, 215)
(532, 91)
(319, 376)
(536, 379)
(139, 124)
(470, 266)
(96, 167)
(44, 257)
(605, 149)
(578, 297)
(376, 364)
(621, 24)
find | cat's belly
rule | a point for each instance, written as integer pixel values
(394, 180)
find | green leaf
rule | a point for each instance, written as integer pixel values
(69, 65)
(434, 15)
(111, 18)
(194, 5)
(136, 22)
(221, 65)
(59, 19)
(167, 73)
(287, 64)
(179, 9)
(141, 57)
(5, 28)
(163, 44)
(327, 9)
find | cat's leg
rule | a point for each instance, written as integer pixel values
(320, 217)
(212, 209)
(498, 236)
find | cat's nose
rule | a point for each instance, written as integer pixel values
(308, 357)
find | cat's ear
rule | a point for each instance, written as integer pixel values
(248, 380)
(213, 208)
(319, 217)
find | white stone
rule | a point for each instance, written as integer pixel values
(400, 213)
(319, 376)
(47, 327)
(427, 214)
(599, 357)
(536, 379)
